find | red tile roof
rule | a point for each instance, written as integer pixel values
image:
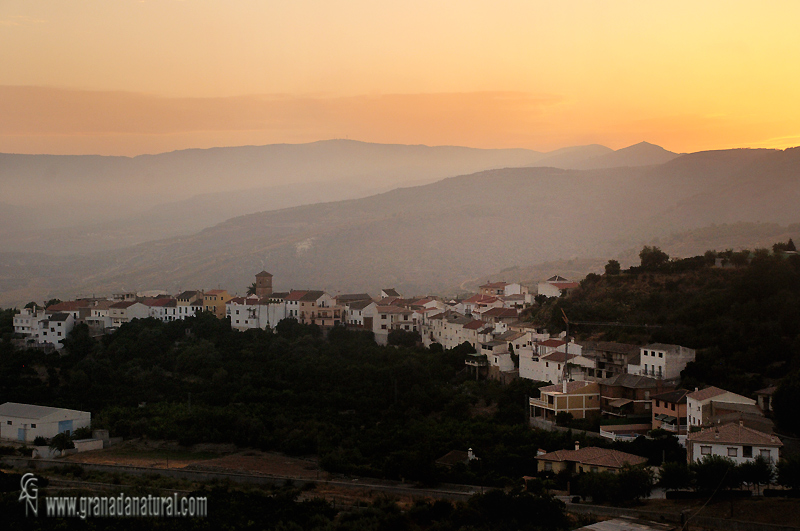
(501, 312)
(495, 285)
(558, 357)
(552, 343)
(734, 433)
(159, 302)
(482, 299)
(571, 387)
(474, 325)
(593, 456)
(295, 295)
(705, 394)
(67, 306)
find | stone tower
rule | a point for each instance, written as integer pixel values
(263, 284)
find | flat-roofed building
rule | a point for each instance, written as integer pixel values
(25, 422)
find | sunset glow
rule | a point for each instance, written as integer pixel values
(130, 77)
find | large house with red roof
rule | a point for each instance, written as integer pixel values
(589, 459)
(734, 441)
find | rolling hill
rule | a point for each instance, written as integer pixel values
(435, 236)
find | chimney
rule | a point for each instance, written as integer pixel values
(577, 445)
(470, 454)
(540, 452)
(564, 386)
(696, 389)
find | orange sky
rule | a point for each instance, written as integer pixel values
(129, 77)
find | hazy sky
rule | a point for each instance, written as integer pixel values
(130, 77)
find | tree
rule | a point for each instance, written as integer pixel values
(652, 257)
(715, 472)
(61, 442)
(757, 472)
(403, 338)
(675, 476)
(51, 302)
(613, 268)
(784, 403)
(789, 472)
(790, 246)
(252, 289)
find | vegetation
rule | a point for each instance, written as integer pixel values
(742, 318)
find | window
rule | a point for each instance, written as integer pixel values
(594, 469)
(658, 403)
(733, 452)
(548, 465)
(705, 450)
(33, 425)
(8, 422)
(383, 327)
(660, 354)
(383, 316)
(672, 407)
(765, 454)
(747, 451)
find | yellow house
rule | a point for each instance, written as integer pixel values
(215, 300)
(581, 399)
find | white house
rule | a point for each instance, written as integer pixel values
(699, 403)
(126, 311)
(387, 318)
(550, 368)
(26, 322)
(55, 328)
(164, 309)
(354, 312)
(734, 441)
(555, 286)
(661, 361)
(251, 312)
(25, 422)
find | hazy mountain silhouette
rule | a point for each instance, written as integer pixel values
(571, 157)
(641, 154)
(436, 236)
(98, 202)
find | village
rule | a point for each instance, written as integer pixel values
(614, 390)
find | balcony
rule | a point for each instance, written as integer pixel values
(476, 360)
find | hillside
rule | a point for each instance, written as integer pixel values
(81, 204)
(68, 204)
(742, 319)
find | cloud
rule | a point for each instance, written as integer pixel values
(21, 20)
(499, 119)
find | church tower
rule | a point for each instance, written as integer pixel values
(263, 284)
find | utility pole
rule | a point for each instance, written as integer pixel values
(566, 353)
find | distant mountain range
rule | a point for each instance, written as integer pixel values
(436, 236)
(77, 204)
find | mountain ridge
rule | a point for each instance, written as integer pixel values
(431, 237)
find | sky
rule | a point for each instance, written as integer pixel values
(127, 77)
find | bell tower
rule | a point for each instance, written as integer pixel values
(263, 284)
